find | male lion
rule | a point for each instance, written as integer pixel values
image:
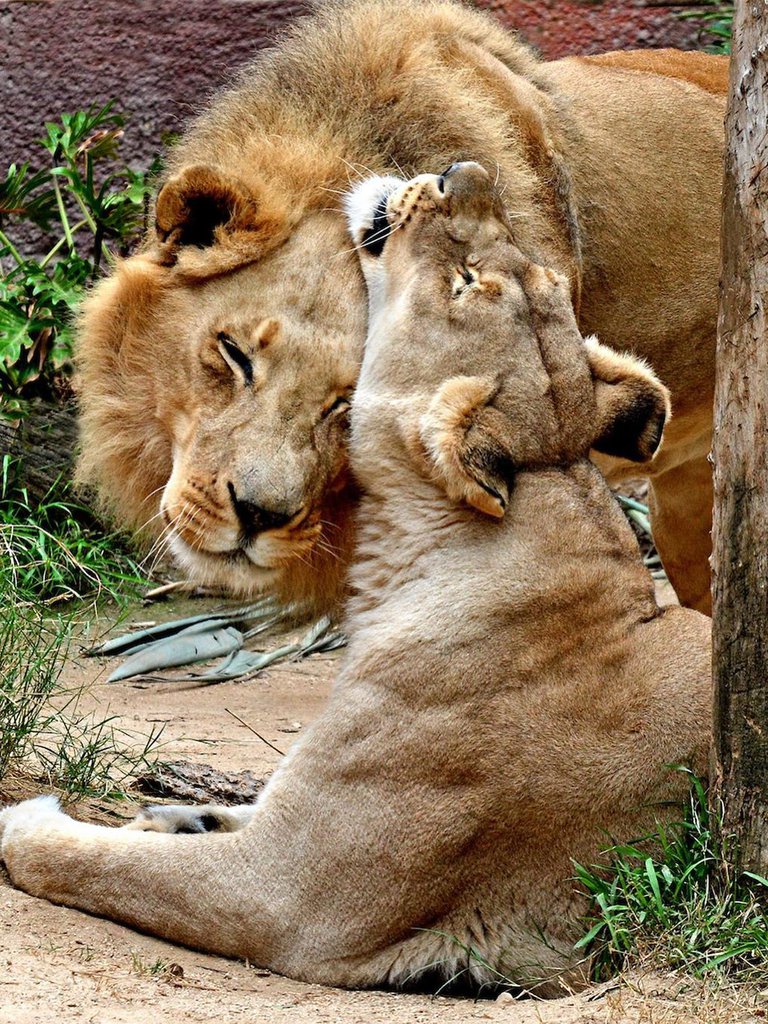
(511, 687)
(216, 366)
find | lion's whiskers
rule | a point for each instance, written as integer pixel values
(151, 519)
(162, 545)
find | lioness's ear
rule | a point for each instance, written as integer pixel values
(632, 404)
(200, 205)
(468, 444)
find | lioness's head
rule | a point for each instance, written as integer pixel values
(462, 323)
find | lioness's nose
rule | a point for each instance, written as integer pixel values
(465, 175)
(255, 518)
(451, 170)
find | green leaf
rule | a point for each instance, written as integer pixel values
(26, 196)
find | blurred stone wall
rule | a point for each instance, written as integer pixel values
(161, 58)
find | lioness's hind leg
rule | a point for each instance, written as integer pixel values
(191, 819)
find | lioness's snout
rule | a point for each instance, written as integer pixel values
(380, 206)
(465, 179)
(463, 189)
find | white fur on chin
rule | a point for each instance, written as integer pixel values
(360, 203)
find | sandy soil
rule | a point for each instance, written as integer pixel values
(60, 965)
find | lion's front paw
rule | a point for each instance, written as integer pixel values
(18, 819)
(175, 818)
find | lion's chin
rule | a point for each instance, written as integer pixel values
(306, 569)
(235, 573)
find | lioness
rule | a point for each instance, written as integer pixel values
(231, 449)
(511, 687)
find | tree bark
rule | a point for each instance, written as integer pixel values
(740, 455)
(42, 445)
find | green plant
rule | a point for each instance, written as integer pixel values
(85, 205)
(53, 550)
(89, 755)
(43, 733)
(32, 651)
(716, 20)
(662, 897)
(160, 969)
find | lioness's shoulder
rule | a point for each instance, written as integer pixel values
(705, 70)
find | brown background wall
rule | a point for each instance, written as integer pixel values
(161, 58)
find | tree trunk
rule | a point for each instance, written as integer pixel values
(740, 531)
(42, 445)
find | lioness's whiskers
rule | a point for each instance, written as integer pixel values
(383, 234)
(354, 167)
(351, 167)
(400, 169)
(320, 545)
(329, 524)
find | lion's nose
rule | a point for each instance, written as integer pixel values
(255, 518)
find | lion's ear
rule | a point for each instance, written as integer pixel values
(632, 404)
(200, 205)
(468, 444)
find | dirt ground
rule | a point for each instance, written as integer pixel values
(60, 965)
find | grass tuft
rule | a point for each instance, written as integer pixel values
(53, 551)
(43, 735)
(661, 899)
(32, 651)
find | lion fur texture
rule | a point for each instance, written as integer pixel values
(610, 167)
(511, 691)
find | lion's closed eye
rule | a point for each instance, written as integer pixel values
(235, 358)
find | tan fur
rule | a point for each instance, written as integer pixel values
(610, 169)
(511, 692)
(443, 430)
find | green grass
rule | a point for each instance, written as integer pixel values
(43, 733)
(51, 554)
(662, 899)
(32, 651)
(52, 550)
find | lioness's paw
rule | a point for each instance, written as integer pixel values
(29, 814)
(190, 820)
(544, 288)
(444, 431)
